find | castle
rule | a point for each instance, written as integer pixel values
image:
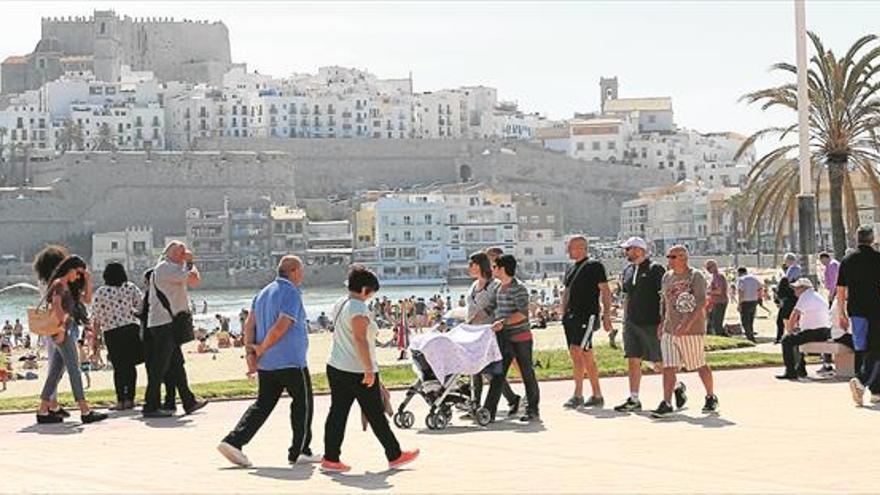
(192, 51)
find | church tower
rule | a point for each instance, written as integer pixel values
(107, 46)
(607, 90)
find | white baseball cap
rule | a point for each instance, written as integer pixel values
(802, 282)
(637, 242)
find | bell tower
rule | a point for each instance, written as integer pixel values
(607, 90)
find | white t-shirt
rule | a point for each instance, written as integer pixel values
(813, 309)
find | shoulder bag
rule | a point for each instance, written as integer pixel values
(181, 323)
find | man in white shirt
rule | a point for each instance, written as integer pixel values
(813, 319)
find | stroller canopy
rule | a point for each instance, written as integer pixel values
(464, 350)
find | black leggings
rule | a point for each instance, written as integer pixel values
(125, 352)
(345, 388)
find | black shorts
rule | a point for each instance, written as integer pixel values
(576, 329)
(641, 341)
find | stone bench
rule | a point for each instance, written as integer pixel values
(844, 357)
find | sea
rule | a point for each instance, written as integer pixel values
(230, 302)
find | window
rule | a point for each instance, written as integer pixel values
(407, 220)
(408, 253)
(139, 247)
(529, 251)
(596, 145)
(429, 219)
(580, 146)
(389, 253)
(652, 119)
(114, 245)
(548, 250)
(612, 145)
(429, 235)
(407, 235)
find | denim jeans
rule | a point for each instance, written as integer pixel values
(64, 356)
(716, 318)
(794, 360)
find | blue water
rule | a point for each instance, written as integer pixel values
(230, 302)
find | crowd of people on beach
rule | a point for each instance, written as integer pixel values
(666, 308)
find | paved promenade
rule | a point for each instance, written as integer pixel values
(771, 437)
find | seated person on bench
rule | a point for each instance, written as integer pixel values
(812, 317)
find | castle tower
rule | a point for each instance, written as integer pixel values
(607, 90)
(107, 45)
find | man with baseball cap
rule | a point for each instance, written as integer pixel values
(813, 319)
(641, 282)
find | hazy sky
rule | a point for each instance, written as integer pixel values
(548, 56)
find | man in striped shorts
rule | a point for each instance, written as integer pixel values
(683, 329)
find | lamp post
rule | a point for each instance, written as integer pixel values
(806, 201)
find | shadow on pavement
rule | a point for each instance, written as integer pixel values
(603, 413)
(504, 426)
(366, 481)
(172, 422)
(300, 472)
(56, 429)
(709, 421)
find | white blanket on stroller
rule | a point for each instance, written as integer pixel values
(466, 350)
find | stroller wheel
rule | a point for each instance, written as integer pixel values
(404, 419)
(483, 416)
(430, 422)
(441, 421)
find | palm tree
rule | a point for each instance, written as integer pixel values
(844, 112)
(70, 136)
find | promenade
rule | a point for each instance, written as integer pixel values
(771, 437)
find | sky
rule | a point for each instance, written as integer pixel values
(547, 56)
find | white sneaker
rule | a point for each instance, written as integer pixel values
(234, 455)
(314, 458)
(875, 399)
(858, 391)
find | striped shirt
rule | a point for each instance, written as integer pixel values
(511, 299)
(481, 303)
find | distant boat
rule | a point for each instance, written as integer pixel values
(20, 287)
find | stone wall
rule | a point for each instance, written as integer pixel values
(101, 192)
(590, 192)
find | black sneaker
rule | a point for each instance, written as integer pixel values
(786, 376)
(711, 406)
(681, 397)
(48, 419)
(93, 417)
(530, 417)
(595, 402)
(195, 407)
(513, 407)
(61, 412)
(662, 411)
(631, 405)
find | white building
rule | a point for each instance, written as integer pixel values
(511, 123)
(410, 239)
(684, 213)
(439, 115)
(476, 219)
(601, 139)
(133, 247)
(541, 252)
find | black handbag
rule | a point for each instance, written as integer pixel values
(181, 323)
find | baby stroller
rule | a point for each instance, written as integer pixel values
(440, 360)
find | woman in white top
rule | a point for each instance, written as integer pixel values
(114, 309)
(352, 373)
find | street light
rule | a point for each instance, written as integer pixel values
(806, 200)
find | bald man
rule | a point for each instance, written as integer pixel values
(276, 347)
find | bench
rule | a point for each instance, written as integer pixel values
(844, 357)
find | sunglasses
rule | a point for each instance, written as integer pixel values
(671, 256)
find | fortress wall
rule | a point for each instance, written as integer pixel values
(77, 36)
(101, 192)
(170, 49)
(590, 192)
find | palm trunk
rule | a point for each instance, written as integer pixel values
(836, 169)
